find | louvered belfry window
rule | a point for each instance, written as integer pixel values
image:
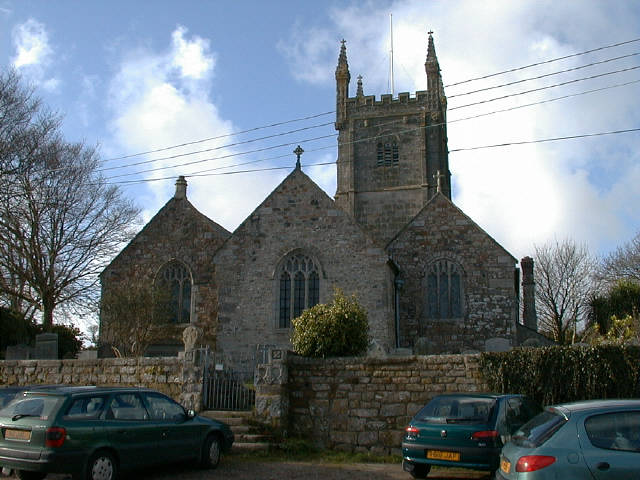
(387, 154)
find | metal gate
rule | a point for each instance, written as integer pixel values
(231, 389)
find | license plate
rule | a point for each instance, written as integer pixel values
(505, 465)
(441, 455)
(10, 434)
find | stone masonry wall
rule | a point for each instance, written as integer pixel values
(180, 379)
(358, 404)
(177, 232)
(442, 231)
(297, 217)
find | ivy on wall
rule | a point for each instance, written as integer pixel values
(552, 375)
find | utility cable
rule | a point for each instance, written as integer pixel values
(543, 76)
(277, 124)
(333, 111)
(506, 144)
(367, 138)
(542, 63)
(544, 88)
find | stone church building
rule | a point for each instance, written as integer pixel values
(430, 278)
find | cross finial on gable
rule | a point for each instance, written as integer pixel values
(298, 151)
(439, 176)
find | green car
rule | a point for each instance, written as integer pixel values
(94, 433)
(463, 430)
(596, 440)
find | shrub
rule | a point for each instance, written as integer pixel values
(562, 374)
(337, 329)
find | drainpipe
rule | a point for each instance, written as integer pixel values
(397, 283)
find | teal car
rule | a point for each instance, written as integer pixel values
(94, 433)
(595, 440)
(463, 430)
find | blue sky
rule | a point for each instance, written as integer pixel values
(140, 76)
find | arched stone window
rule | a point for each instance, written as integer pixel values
(298, 289)
(175, 279)
(444, 290)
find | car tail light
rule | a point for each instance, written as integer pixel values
(55, 437)
(484, 435)
(412, 431)
(531, 463)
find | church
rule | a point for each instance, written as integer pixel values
(430, 278)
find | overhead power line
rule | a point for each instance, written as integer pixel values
(277, 124)
(288, 167)
(547, 87)
(450, 96)
(543, 76)
(219, 147)
(516, 69)
(231, 155)
(544, 140)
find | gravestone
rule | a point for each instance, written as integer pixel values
(18, 352)
(46, 346)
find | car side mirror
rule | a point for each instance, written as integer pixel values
(191, 414)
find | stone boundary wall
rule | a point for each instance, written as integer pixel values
(357, 404)
(179, 378)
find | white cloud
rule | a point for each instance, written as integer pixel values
(522, 194)
(153, 108)
(191, 56)
(33, 52)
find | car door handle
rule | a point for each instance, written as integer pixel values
(603, 466)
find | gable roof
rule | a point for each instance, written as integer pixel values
(441, 198)
(298, 176)
(169, 207)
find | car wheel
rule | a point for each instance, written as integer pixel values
(420, 470)
(27, 475)
(102, 466)
(210, 452)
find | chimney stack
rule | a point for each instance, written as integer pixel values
(529, 316)
(181, 188)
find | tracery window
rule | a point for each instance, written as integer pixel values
(176, 279)
(444, 290)
(299, 288)
(387, 154)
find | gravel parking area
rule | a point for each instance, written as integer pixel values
(234, 468)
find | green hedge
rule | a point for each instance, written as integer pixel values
(557, 374)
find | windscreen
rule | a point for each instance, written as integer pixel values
(452, 409)
(31, 405)
(539, 429)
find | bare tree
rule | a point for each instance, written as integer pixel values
(59, 222)
(564, 287)
(132, 316)
(623, 264)
(25, 125)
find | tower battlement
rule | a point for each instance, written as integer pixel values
(392, 152)
(429, 101)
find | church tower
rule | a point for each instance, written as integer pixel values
(392, 152)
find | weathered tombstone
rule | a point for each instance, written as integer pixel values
(18, 352)
(424, 346)
(46, 346)
(376, 350)
(497, 345)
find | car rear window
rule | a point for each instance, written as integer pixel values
(452, 409)
(539, 429)
(32, 405)
(85, 408)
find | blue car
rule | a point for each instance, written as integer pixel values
(463, 430)
(597, 440)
